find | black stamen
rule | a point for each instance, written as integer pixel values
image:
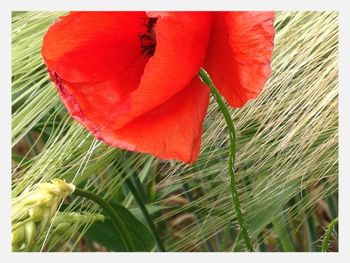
(148, 39)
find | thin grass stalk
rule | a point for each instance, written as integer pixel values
(145, 213)
(135, 187)
(312, 238)
(117, 221)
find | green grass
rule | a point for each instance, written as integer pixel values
(286, 162)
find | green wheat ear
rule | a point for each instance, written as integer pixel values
(33, 210)
(35, 215)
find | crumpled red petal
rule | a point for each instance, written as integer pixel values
(170, 131)
(112, 93)
(98, 53)
(182, 39)
(239, 54)
(93, 46)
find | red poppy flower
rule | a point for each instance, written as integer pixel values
(131, 77)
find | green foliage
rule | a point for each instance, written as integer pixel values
(286, 161)
(105, 234)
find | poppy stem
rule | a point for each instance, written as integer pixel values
(232, 134)
(109, 210)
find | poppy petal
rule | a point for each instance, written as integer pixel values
(170, 131)
(113, 87)
(97, 100)
(239, 54)
(93, 46)
(182, 39)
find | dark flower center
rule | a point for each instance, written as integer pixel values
(148, 38)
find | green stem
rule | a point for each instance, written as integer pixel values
(312, 238)
(333, 209)
(232, 134)
(281, 228)
(145, 213)
(327, 236)
(117, 221)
